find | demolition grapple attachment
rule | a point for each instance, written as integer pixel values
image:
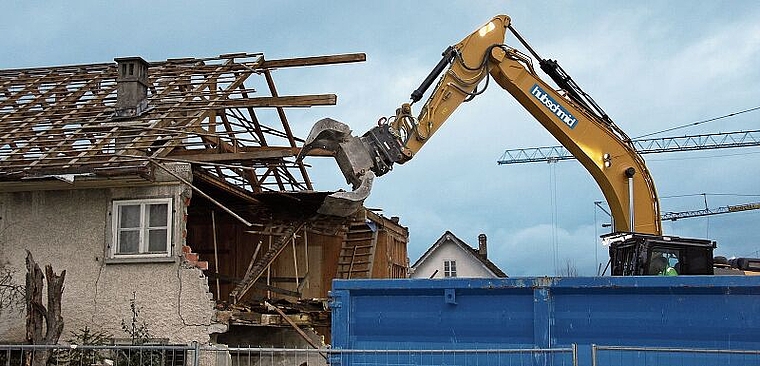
(360, 159)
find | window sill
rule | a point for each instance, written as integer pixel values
(137, 259)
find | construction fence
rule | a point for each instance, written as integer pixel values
(198, 355)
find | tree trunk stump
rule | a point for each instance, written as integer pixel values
(43, 324)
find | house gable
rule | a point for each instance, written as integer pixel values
(449, 248)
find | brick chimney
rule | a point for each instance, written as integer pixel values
(131, 87)
(482, 246)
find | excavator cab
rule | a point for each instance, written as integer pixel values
(635, 254)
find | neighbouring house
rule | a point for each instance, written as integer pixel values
(449, 256)
(174, 184)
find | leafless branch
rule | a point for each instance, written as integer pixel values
(11, 293)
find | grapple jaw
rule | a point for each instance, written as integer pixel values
(354, 159)
(344, 203)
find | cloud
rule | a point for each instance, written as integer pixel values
(650, 65)
(543, 250)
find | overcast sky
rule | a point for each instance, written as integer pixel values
(651, 65)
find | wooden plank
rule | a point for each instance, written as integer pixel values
(277, 290)
(295, 326)
(208, 83)
(179, 95)
(255, 271)
(314, 61)
(255, 153)
(205, 195)
(291, 101)
(222, 185)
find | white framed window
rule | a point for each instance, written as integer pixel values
(142, 228)
(449, 268)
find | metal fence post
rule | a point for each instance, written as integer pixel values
(197, 353)
(593, 354)
(575, 354)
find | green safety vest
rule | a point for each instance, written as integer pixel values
(669, 271)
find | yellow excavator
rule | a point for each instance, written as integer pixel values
(568, 113)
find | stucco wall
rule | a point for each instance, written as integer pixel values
(467, 266)
(70, 229)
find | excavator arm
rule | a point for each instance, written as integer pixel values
(569, 114)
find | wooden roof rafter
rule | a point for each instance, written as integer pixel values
(60, 119)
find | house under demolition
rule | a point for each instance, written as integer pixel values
(174, 185)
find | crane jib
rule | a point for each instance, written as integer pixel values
(563, 114)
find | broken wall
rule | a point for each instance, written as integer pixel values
(307, 264)
(391, 258)
(303, 269)
(71, 230)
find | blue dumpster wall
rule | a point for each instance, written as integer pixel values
(716, 312)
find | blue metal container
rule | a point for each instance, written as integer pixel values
(707, 312)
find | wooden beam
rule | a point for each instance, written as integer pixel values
(284, 102)
(204, 194)
(277, 290)
(314, 61)
(258, 285)
(255, 153)
(295, 326)
(255, 270)
(220, 184)
(320, 152)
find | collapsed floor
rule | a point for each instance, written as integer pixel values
(277, 272)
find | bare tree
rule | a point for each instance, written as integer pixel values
(11, 293)
(36, 312)
(569, 270)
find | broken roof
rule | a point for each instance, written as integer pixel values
(222, 114)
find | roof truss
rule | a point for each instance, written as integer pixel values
(222, 114)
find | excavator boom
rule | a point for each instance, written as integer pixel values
(464, 72)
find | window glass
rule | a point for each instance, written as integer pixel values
(157, 215)
(142, 227)
(662, 258)
(129, 241)
(157, 240)
(449, 268)
(129, 216)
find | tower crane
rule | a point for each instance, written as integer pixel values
(637, 247)
(673, 216)
(723, 140)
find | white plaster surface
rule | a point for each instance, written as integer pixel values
(71, 231)
(467, 265)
